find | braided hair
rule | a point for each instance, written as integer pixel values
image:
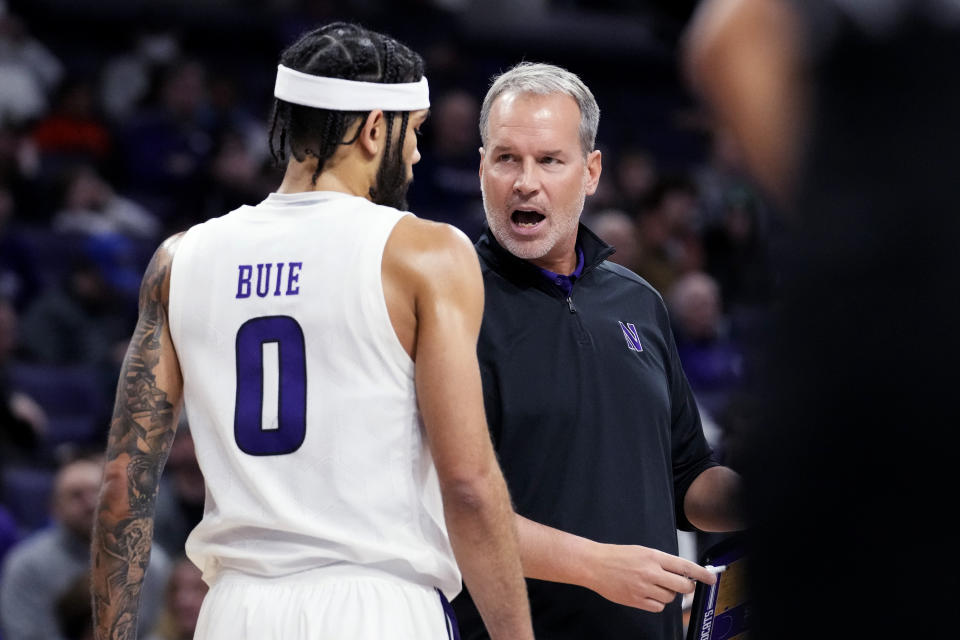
(338, 50)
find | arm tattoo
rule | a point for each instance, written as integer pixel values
(141, 431)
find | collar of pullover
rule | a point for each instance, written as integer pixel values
(526, 273)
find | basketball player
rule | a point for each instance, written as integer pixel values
(308, 336)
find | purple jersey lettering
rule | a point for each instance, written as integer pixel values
(243, 282)
(268, 278)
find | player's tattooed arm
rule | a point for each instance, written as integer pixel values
(141, 431)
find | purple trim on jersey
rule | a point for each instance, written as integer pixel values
(453, 631)
(562, 281)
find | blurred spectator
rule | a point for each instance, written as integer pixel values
(444, 55)
(166, 147)
(78, 321)
(711, 358)
(18, 273)
(126, 77)
(636, 176)
(231, 115)
(670, 244)
(237, 177)
(22, 421)
(678, 197)
(9, 532)
(185, 592)
(618, 230)
(45, 565)
(90, 206)
(121, 259)
(74, 610)
(182, 494)
(607, 196)
(239, 171)
(29, 72)
(18, 170)
(655, 264)
(73, 130)
(446, 183)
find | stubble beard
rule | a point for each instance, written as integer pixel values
(562, 224)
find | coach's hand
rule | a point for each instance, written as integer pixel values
(641, 577)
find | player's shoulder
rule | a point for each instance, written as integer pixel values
(431, 237)
(204, 234)
(163, 256)
(156, 277)
(431, 252)
(211, 229)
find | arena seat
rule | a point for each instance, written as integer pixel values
(26, 493)
(62, 390)
(72, 398)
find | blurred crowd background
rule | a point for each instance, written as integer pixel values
(123, 121)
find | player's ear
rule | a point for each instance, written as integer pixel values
(372, 132)
(481, 163)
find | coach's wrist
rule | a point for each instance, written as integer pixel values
(590, 566)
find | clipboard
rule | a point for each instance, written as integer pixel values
(722, 611)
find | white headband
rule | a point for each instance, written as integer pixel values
(338, 94)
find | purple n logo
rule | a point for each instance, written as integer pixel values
(633, 338)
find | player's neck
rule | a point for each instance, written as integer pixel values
(298, 178)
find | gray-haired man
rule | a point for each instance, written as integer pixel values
(591, 414)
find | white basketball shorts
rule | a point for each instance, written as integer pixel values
(311, 606)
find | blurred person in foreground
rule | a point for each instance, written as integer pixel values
(324, 343)
(848, 113)
(43, 566)
(592, 417)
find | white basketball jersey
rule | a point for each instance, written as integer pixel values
(300, 397)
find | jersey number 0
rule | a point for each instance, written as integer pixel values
(287, 433)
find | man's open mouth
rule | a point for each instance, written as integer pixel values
(526, 218)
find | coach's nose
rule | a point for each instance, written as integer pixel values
(527, 182)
